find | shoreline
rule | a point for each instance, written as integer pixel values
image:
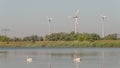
(62, 44)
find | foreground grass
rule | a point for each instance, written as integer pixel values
(68, 44)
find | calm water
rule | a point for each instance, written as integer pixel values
(60, 58)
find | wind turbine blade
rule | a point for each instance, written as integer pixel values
(69, 17)
(76, 14)
(103, 16)
(49, 18)
(76, 20)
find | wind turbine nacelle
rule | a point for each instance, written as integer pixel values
(75, 17)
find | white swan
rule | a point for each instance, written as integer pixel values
(77, 60)
(29, 60)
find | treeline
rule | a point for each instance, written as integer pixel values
(32, 38)
(78, 37)
(62, 37)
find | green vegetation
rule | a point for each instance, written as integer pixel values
(72, 37)
(61, 40)
(68, 44)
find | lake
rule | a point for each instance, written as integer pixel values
(60, 57)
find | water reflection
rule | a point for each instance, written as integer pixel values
(3, 56)
(60, 58)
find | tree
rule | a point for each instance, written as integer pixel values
(80, 37)
(4, 39)
(111, 37)
(94, 37)
(32, 38)
(88, 37)
(16, 39)
(41, 38)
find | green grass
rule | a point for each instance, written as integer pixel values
(61, 44)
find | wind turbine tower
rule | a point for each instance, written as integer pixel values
(76, 21)
(103, 29)
(49, 27)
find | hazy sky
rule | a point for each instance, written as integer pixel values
(28, 17)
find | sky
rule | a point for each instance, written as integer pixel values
(29, 17)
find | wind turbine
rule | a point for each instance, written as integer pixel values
(102, 22)
(76, 20)
(49, 27)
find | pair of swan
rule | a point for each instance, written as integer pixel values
(29, 60)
